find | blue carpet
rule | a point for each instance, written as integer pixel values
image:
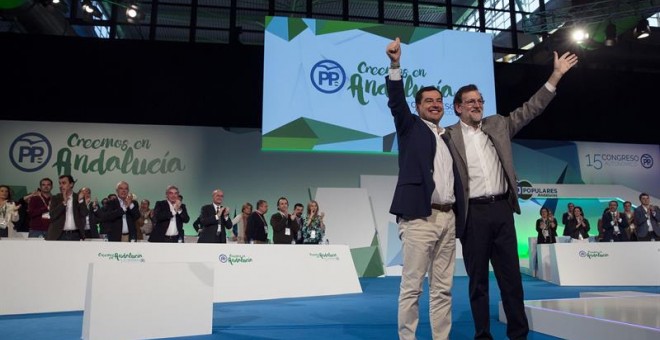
(370, 315)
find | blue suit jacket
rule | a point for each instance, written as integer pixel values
(417, 147)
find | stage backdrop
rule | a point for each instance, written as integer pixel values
(335, 97)
(200, 159)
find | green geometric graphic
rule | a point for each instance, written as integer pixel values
(368, 262)
(305, 134)
(289, 28)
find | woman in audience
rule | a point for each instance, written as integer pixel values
(546, 226)
(579, 226)
(240, 221)
(8, 212)
(313, 226)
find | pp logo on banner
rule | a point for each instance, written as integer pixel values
(328, 76)
(646, 160)
(30, 152)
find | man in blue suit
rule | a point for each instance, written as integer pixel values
(423, 203)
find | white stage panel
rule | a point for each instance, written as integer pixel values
(240, 270)
(620, 317)
(148, 300)
(600, 264)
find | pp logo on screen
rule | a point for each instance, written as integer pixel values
(30, 152)
(646, 160)
(523, 190)
(328, 76)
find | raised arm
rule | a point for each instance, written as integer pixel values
(561, 66)
(393, 51)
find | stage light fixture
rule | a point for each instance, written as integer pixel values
(579, 35)
(610, 35)
(90, 10)
(133, 14)
(642, 30)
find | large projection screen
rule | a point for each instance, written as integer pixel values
(324, 81)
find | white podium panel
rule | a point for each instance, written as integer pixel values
(148, 300)
(600, 264)
(30, 268)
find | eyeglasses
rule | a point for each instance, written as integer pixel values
(473, 102)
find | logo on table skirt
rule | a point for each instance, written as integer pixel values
(327, 256)
(592, 254)
(234, 259)
(122, 257)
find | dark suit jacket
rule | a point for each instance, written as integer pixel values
(256, 228)
(564, 221)
(57, 212)
(279, 224)
(642, 218)
(608, 228)
(94, 219)
(161, 220)
(501, 130)
(572, 231)
(417, 147)
(209, 226)
(112, 218)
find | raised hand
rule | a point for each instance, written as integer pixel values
(561, 66)
(393, 50)
(565, 62)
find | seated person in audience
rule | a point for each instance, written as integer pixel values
(579, 225)
(614, 224)
(313, 226)
(647, 219)
(546, 226)
(631, 233)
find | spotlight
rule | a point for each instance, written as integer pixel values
(90, 10)
(642, 30)
(133, 14)
(610, 35)
(579, 35)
